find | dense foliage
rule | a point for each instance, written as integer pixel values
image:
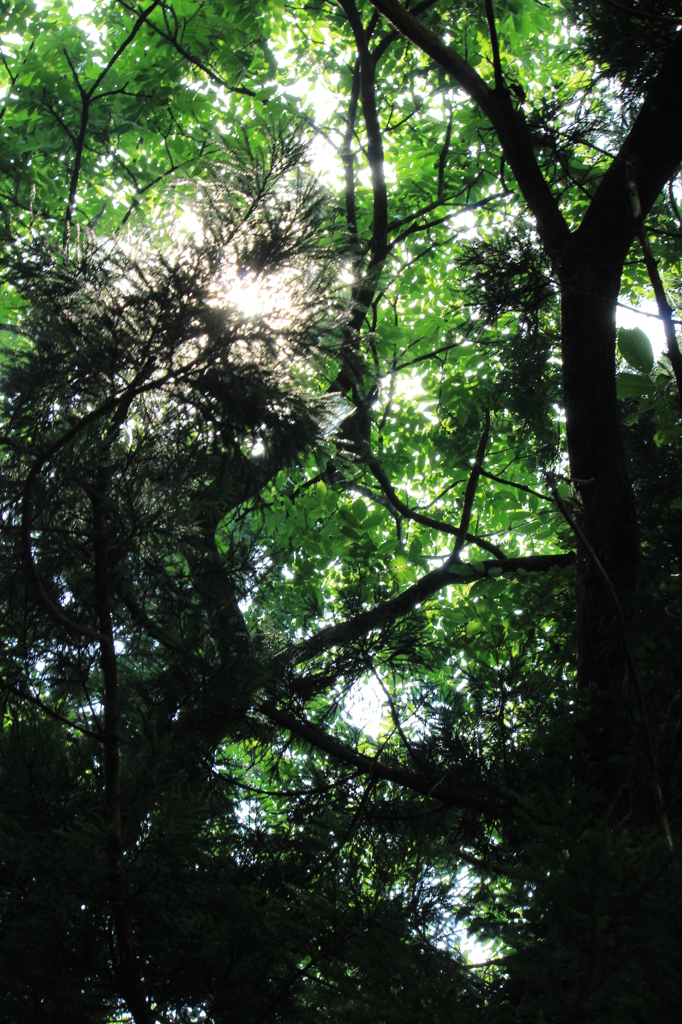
(341, 531)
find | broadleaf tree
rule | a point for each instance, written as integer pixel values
(274, 447)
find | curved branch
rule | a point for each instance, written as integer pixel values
(171, 38)
(509, 123)
(430, 584)
(433, 789)
(419, 517)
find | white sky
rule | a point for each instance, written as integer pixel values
(364, 708)
(651, 325)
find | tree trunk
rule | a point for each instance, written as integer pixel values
(127, 969)
(590, 283)
(597, 458)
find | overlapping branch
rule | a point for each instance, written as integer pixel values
(509, 123)
(376, 618)
(437, 789)
(87, 98)
(419, 517)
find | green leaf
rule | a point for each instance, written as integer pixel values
(359, 509)
(415, 550)
(633, 385)
(349, 518)
(635, 348)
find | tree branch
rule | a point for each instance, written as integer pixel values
(47, 710)
(664, 309)
(127, 970)
(435, 789)
(419, 517)
(391, 36)
(375, 157)
(349, 159)
(510, 124)
(377, 617)
(497, 65)
(86, 98)
(121, 403)
(77, 163)
(511, 483)
(171, 38)
(141, 19)
(470, 492)
(443, 157)
(649, 156)
(52, 607)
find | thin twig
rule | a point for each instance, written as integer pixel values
(470, 492)
(497, 64)
(512, 483)
(47, 710)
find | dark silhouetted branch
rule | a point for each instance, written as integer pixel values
(436, 789)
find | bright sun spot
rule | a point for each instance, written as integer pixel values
(364, 708)
(254, 295)
(260, 296)
(250, 294)
(189, 224)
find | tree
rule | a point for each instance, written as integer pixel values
(221, 525)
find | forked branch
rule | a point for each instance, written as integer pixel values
(431, 583)
(437, 789)
(509, 124)
(416, 516)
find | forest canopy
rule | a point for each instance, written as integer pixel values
(341, 511)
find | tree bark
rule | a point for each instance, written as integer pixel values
(597, 459)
